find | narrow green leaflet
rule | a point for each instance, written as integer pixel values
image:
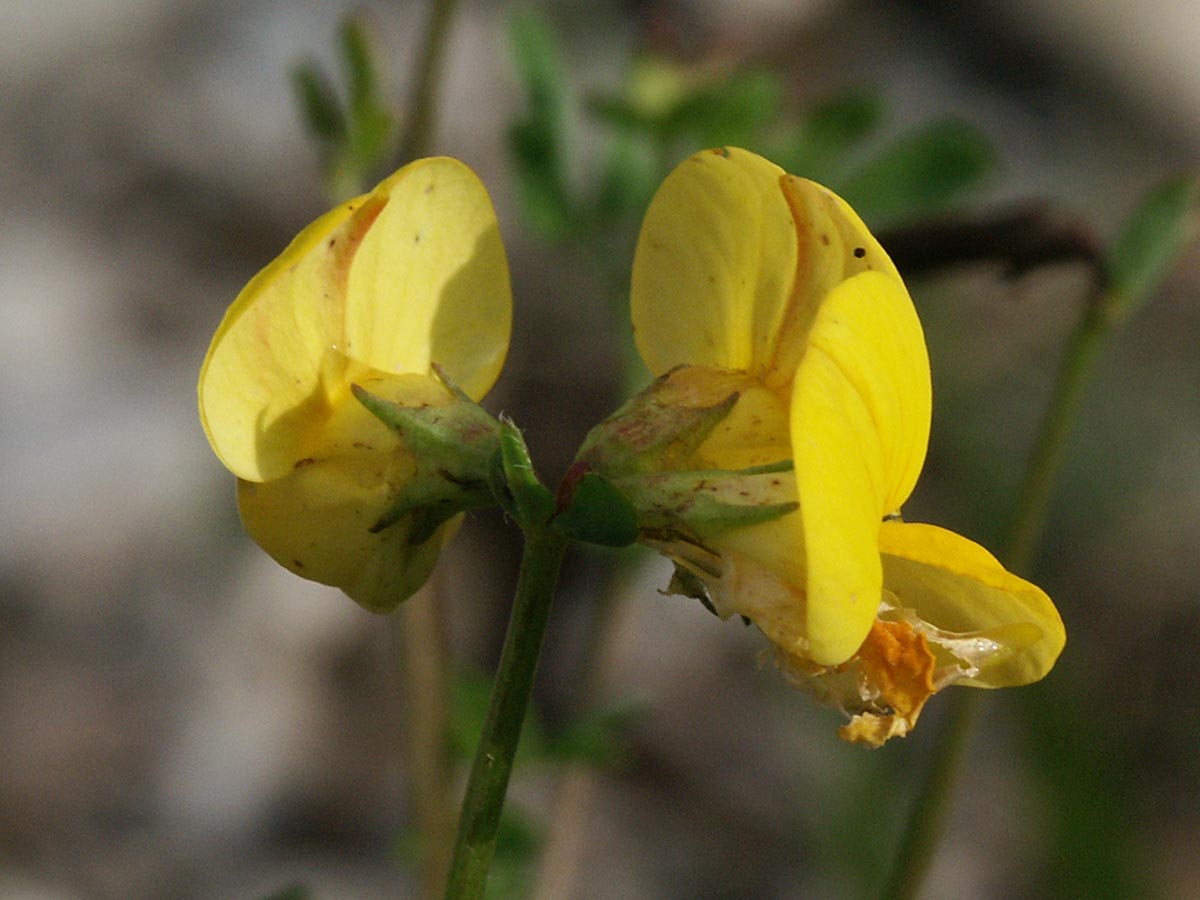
(318, 104)
(922, 173)
(536, 140)
(1150, 241)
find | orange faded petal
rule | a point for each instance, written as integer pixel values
(897, 667)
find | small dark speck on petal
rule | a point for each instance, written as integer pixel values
(860, 252)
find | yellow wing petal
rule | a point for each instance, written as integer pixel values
(316, 520)
(316, 523)
(430, 283)
(860, 423)
(714, 265)
(956, 585)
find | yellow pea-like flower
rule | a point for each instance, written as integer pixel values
(377, 293)
(750, 280)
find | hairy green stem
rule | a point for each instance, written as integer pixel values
(423, 106)
(484, 800)
(927, 819)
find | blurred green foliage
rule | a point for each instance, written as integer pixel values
(660, 113)
(1151, 240)
(593, 198)
(356, 136)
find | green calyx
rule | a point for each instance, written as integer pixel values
(632, 478)
(454, 447)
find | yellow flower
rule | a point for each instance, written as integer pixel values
(375, 293)
(753, 281)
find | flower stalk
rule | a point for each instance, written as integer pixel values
(488, 783)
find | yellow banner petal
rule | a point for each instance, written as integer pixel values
(268, 357)
(860, 423)
(430, 283)
(714, 265)
(833, 245)
(410, 274)
(956, 585)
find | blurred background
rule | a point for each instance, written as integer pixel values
(181, 718)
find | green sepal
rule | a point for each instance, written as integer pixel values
(598, 513)
(453, 447)
(703, 504)
(458, 436)
(515, 482)
(646, 435)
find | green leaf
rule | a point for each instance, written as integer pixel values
(536, 140)
(730, 111)
(629, 179)
(470, 694)
(359, 65)
(371, 124)
(1150, 241)
(727, 110)
(840, 123)
(922, 173)
(598, 513)
(597, 738)
(831, 131)
(319, 106)
(519, 840)
(623, 114)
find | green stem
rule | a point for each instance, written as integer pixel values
(423, 106)
(1078, 362)
(480, 819)
(928, 815)
(933, 799)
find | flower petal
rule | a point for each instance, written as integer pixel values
(860, 423)
(269, 358)
(956, 585)
(316, 520)
(430, 283)
(714, 265)
(833, 245)
(408, 275)
(316, 523)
